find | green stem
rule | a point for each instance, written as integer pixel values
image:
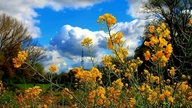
(90, 53)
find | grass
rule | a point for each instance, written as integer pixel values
(44, 87)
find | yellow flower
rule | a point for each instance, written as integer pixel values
(108, 19)
(132, 102)
(87, 41)
(159, 54)
(22, 55)
(159, 29)
(109, 44)
(147, 55)
(190, 21)
(163, 26)
(146, 72)
(184, 86)
(151, 29)
(170, 99)
(167, 93)
(17, 62)
(183, 76)
(117, 84)
(20, 59)
(150, 98)
(154, 40)
(172, 71)
(106, 60)
(119, 35)
(162, 97)
(146, 43)
(53, 68)
(163, 42)
(168, 49)
(142, 88)
(128, 75)
(166, 33)
(164, 59)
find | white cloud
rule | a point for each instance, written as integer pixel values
(136, 8)
(24, 11)
(132, 32)
(65, 47)
(69, 40)
(54, 57)
(66, 44)
(60, 4)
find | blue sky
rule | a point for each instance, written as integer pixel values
(51, 21)
(60, 25)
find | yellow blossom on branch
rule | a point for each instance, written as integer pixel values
(151, 29)
(20, 59)
(172, 71)
(147, 55)
(117, 84)
(160, 49)
(108, 19)
(190, 21)
(53, 68)
(86, 41)
(132, 102)
(170, 99)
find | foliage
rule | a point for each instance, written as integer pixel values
(176, 14)
(14, 37)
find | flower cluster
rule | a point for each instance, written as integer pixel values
(20, 59)
(172, 71)
(190, 21)
(30, 96)
(158, 42)
(86, 42)
(33, 92)
(132, 67)
(108, 19)
(114, 39)
(85, 76)
(53, 68)
(97, 96)
(107, 61)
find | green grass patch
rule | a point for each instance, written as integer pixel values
(44, 87)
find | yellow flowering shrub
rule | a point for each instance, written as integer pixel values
(30, 96)
(20, 59)
(158, 42)
(97, 96)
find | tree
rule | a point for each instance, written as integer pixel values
(12, 35)
(13, 38)
(176, 14)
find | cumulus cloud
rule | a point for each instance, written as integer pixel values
(68, 40)
(132, 32)
(136, 8)
(54, 57)
(67, 43)
(60, 4)
(24, 11)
